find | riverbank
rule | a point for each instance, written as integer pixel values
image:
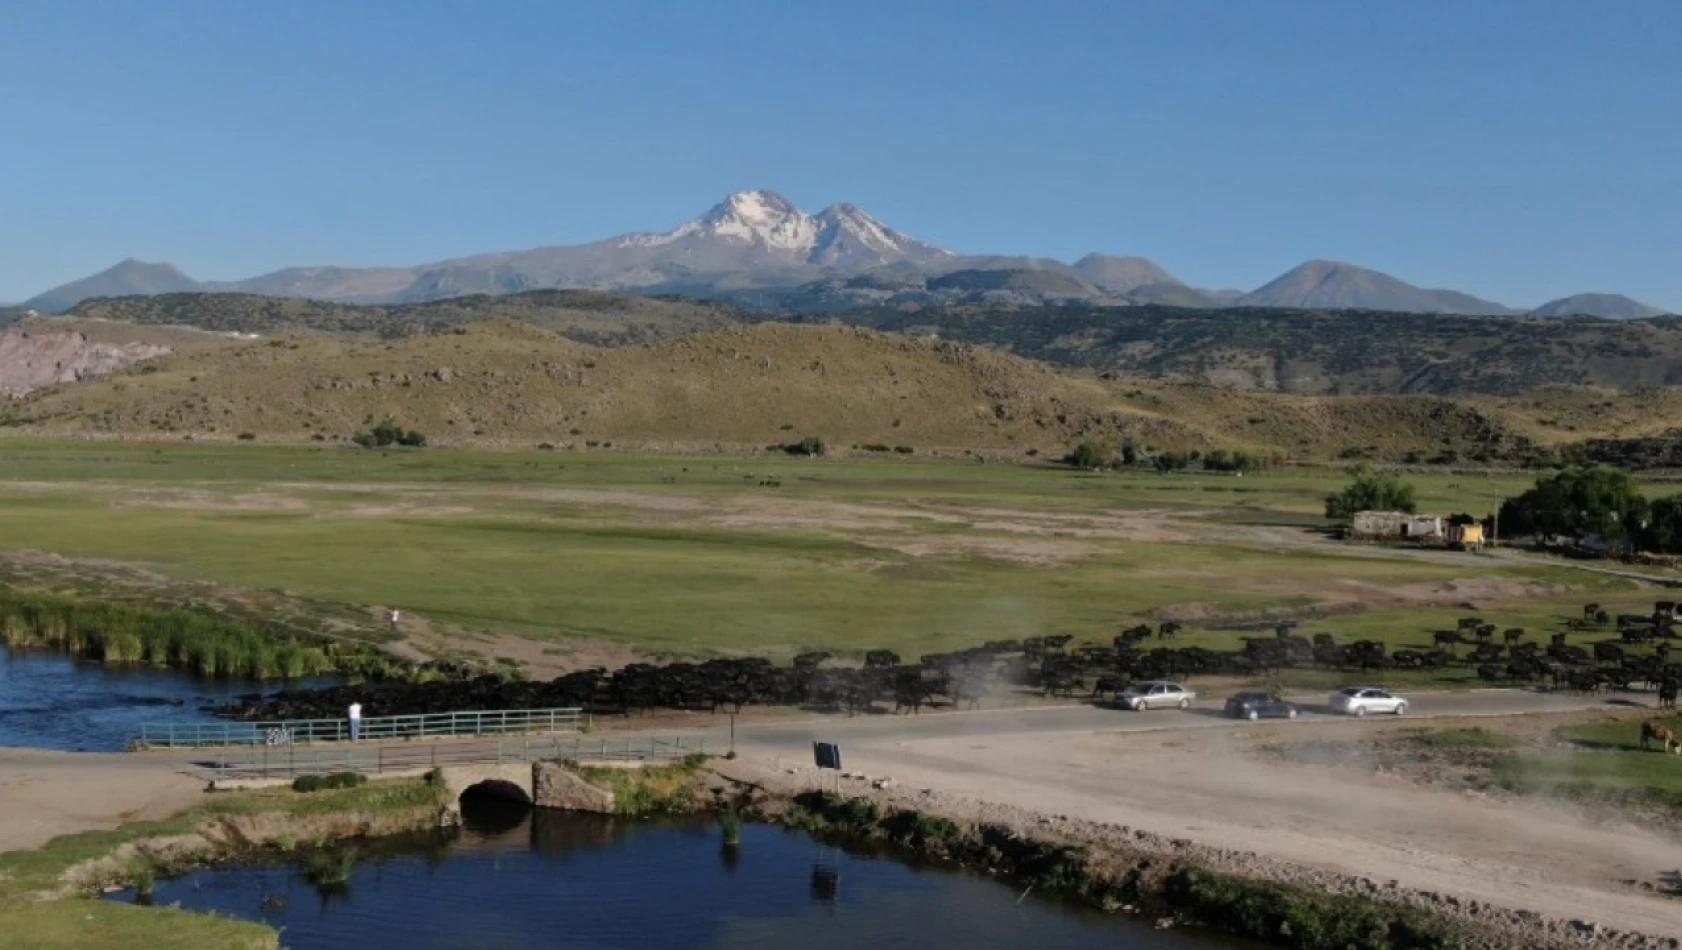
(1122, 868)
(45, 892)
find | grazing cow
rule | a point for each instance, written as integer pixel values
(1652, 732)
(1167, 630)
(1512, 635)
(1446, 638)
(1590, 610)
(880, 659)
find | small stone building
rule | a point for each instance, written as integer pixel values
(1376, 525)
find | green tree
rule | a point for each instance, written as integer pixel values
(1576, 504)
(1371, 491)
(1664, 526)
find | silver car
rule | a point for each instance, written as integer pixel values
(1155, 694)
(1360, 700)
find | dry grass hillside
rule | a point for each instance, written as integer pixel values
(1395, 428)
(505, 380)
(586, 315)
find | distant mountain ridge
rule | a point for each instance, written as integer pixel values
(1334, 285)
(1613, 306)
(756, 248)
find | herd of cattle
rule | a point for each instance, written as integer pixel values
(1637, 658)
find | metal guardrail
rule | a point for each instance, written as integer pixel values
(292, 761)
(200, 735)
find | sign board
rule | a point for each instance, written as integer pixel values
(827, 755)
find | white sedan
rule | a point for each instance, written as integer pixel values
(1360, 700)
(1155, 694)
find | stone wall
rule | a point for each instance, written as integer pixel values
(556, 786)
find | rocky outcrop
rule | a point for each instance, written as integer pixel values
(32, 359)
(557, 786)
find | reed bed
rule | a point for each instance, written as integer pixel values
(201, 642)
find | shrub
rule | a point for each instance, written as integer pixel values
(322, 783)
(1172, 461)
(904, 449)
(389, 433)
(330, 867)
(809, 446)
(1092, 454)
(246, 436)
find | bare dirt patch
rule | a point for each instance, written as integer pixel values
(1205, 794)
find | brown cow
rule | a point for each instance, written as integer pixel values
(1651, 731)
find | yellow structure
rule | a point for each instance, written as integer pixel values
(1466, 535)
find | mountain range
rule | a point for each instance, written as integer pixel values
(757, 249)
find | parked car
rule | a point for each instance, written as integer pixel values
(1155, 694)
(1360, 700)
(1260, 705)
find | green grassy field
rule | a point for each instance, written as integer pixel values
(693, 555)
(1609, 767)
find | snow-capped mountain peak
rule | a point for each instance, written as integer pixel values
(842, 236)
(762, 217)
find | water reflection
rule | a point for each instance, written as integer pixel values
(518, 878)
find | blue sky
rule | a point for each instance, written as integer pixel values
(1517, 150)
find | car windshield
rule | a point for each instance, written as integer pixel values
(1249, 697)
(1351, 691)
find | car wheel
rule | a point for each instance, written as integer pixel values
(1254, 715)
(1185, 704)
(1139, 705)
(1359, 711)
(1401, 708)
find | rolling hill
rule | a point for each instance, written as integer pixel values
(1284, 349)
(1346, 352)
(505, 380)
(1611, 306)
(745, 387)
(585, 315)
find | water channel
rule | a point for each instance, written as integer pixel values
(518, 878)
(50, 700)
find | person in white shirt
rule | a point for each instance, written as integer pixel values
(355, 721)
(394, 618)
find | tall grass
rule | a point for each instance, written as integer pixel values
(201, 642)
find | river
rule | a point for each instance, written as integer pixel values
(533, 880)
(50, 700)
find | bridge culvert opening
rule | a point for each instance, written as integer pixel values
(494, 807)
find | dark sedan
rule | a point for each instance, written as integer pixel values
(1260, 705)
